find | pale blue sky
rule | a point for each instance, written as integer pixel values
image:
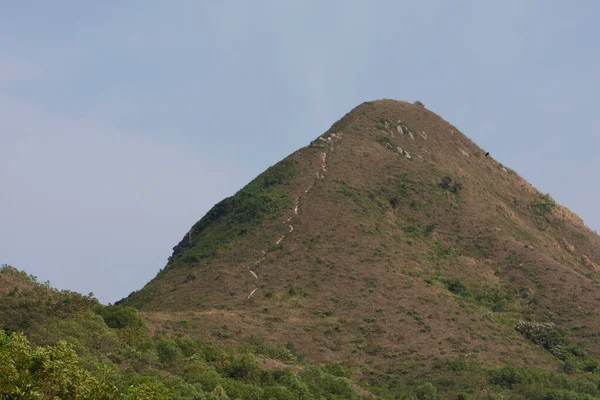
(123, 122)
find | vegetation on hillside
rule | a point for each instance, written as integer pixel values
(237, 215)
(81, 349)
(230, 219)
(63, 345)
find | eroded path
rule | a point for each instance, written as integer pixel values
(319, 175)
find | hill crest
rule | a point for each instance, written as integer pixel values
(390, 235)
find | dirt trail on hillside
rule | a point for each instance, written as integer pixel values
(319, 175)
(329, 142)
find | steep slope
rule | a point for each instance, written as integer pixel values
(391, 238)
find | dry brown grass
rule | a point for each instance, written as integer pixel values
(366, 289)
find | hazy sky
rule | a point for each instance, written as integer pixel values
(123, 122)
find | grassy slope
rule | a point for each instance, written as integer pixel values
(364, 277)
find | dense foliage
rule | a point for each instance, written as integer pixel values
(205, 372)
(62, 345)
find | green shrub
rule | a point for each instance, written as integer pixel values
(544, 204)
(426, 391)
(506, 376)
(326, 385)
(428, 229)
(457, 287)
(445, 182)
(244, 368)
(544, 334)
(442, 251)
(293, 349)
(168, 352)
(412, 231)
(120, 317)
(198, 372)
(492, 298)
(336, 369)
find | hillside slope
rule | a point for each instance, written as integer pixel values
(61, 345)
(391, 239)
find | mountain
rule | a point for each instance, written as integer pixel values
(390, 258)
(390, 240)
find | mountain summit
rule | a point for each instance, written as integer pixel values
(390, 237)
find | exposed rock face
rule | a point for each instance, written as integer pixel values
(567, 246)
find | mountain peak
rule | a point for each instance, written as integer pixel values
(390, 235)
